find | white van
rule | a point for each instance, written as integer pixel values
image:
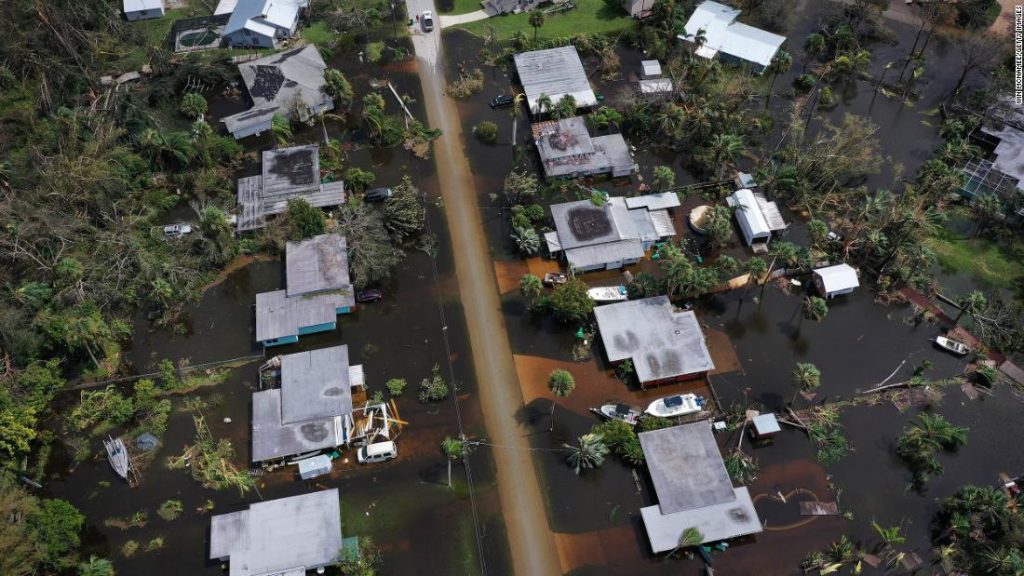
(378, 452)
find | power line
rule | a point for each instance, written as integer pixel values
(455, 402)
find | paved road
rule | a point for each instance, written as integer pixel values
(447, 21)
(530, 538)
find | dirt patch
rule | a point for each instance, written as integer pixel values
(235, 265)
(600, 548)
(723, 353)
(508, 273)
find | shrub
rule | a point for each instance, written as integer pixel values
(170, 510)
(467, 84)
(396, 386)
(130, 548)
(487, 132)
(434, 388)
(804, 82)
(375, 52)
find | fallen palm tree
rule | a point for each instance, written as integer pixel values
(211, 460)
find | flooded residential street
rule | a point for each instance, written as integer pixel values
(522, 505)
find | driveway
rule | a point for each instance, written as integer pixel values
(447, 21)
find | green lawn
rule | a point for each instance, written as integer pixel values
(155, 33)
(992, 264)
(589, 16)
(317, 33)
(460, 7)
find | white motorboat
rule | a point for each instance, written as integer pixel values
(958, 348)
(608, 294)
(117, 455)
(617, 411)
(678, 405)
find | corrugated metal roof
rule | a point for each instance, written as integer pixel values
(551, 238)
(658, 201)
(655, 86)
(663, 224)
(686, 467)
(717, 522)
(590, 256)
(287, 174)
(723, 34)
(660, 341)
(140, 5)
(650, 68)
(280, 536)
(278, 316)
(264, 16)
(838, 278)
(771, 213)
(272, 438)
(554, 72)
(748, 214)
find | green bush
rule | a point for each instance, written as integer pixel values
(487, 132)
(804, 82)
(396, 386)
(434, 388)
(170, 510)
(375, 52)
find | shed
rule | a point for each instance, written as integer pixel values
(650, 69)
(287, 536)
(638, 9)
(693, 488)
(664, 344)
(836, 280)
(555, 72)
(765, 425)
(143, 9)
(750, 218)
(315, 466)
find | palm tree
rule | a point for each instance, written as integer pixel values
(986, 209)
(806, 376)
(517, 103)
(689, 538)
(338, 88)
(814, 46)
(939, 432)
(544, 103)
(281, 129)
(589, 453)
(971, 304)
(1002, 560)
(725, 149)
(561, 384)
(670, 120)
(536, 21)
(96, 567)
(565, 108)
(780, 64)
(815, 308)
(454, 449)
(530, 286)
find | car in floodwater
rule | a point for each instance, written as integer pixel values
(371, 295)
(377, 194)
(502, 101)
(177, 230)
(428, 20)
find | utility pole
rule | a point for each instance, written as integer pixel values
(394, 22)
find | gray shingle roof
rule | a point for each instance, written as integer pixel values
(317, 264)
(279, 536)
(661, 342)
(315, 385)
(277, 315)
(272, 438)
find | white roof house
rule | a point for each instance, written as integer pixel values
(693, 489)
(143, 9)
(287, 536)
(836, 280)
(262, 22)
(555, 72)
(758, 218)
(726, 36)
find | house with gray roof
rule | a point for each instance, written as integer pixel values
(285, 174)
(261, 23)
(567, 150)
(317, 290)
(693, 489)
(606, 236)
(312, 410)
(663, 343)
(730, 40)
(555, 73)
(289, 83)
(283, 537)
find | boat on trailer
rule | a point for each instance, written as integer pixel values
(618, 411)
(608, 294)
(117, 455)
(948, 344)
(677, 405)
(555, 278)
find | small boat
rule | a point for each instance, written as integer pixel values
(699, 218)
(371, 295)
(958, 348)
(117, 455)
(608, 294)
(555, 278)
(617, 411)
(678, 405)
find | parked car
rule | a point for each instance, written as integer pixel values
(377, 194)
(502, 101)
(177, 230)
(428, 20)
(371, 295)
(379, 452)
